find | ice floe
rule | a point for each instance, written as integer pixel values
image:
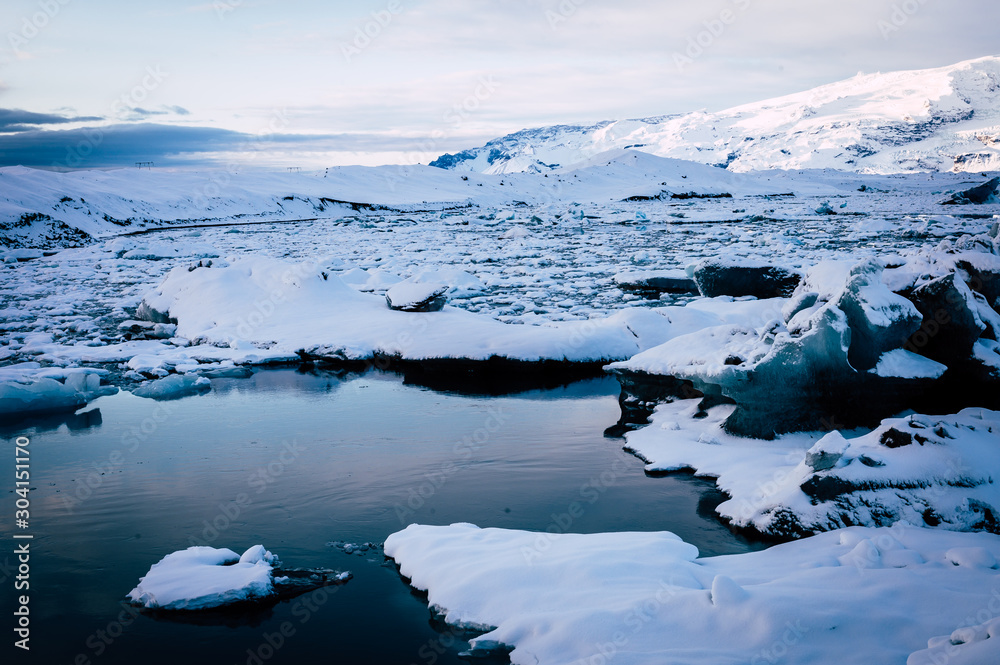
(202, 578)
(635, 598)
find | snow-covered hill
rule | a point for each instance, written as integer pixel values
(47, 209)
(944, 119)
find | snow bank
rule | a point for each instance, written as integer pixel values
(969, 645)
(282, 308)
(935, 471)
(138, 249)
(203, 577)
(636, 598)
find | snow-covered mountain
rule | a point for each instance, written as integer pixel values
(944, 119)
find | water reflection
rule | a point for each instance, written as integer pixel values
(297, 459)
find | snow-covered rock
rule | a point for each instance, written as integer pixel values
(734, 277)
(980, 194)
(656, 281)
(417, 297)
(968, 645)
(554, 598)
(936, 471)
(949, 303)
(845, 348)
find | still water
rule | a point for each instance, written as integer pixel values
(296, 461)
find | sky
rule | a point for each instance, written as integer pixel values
(311, 83)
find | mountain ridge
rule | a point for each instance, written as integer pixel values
(940, 119)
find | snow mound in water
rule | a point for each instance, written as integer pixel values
(203, 577)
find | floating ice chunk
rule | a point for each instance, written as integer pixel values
(26, 388)
(174, 386)
(153, 250)
(461, 284)
(203, 577)
(656, 281)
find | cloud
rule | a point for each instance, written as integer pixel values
(172, 145)
(139, 113)
(17, 120)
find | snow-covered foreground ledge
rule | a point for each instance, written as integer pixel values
(938, 471)
(854, 595)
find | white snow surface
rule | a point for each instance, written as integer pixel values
(202, 577)
(638, 598)
(968, 645)
(946, 473)
(538, 252)
(279, 308)
(940, 119)
(904, 364)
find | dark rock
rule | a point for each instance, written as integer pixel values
(823, 459)
(983, 273)
(893, 438)
(826, 488)
(658, 284)
(985, 193)
(147, 313)
(715, 278)
(950, 326)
